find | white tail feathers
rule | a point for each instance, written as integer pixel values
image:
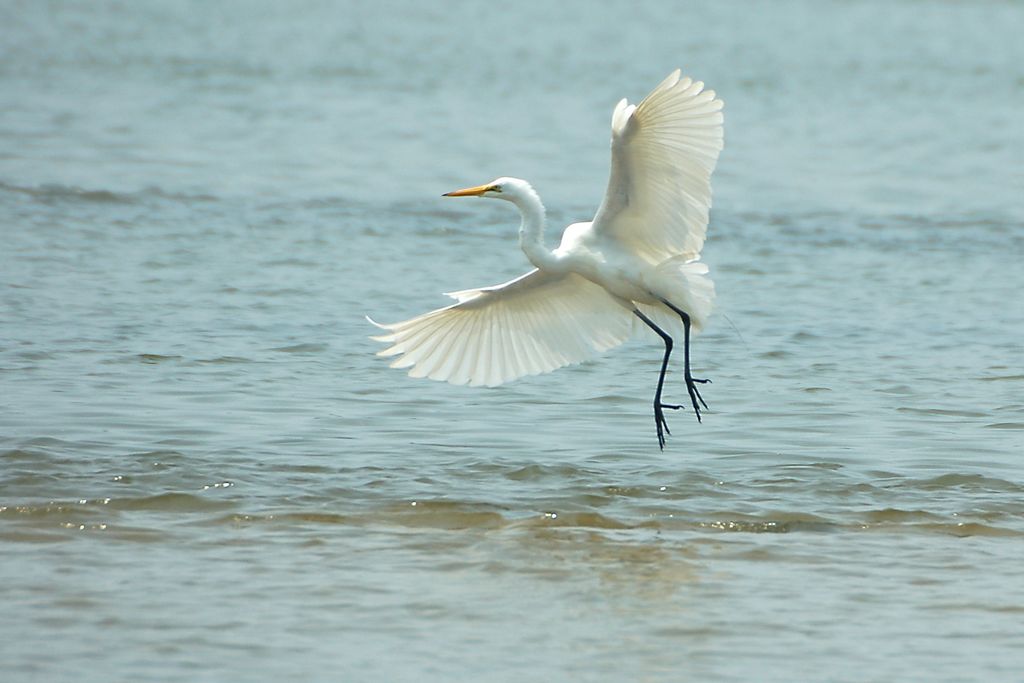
(684, 282)
(697, 288)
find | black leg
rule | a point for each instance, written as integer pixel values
(659, 413)
(691, 385)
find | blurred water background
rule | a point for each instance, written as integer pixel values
(206, 475)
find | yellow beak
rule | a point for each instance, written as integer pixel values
(468, 192)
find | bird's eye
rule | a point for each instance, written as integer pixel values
(495, 188)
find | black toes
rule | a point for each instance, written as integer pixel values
(661, 424)
(696, 400)
(695, 396)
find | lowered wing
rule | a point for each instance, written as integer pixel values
(533, 324)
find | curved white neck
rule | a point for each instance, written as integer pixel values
(531, 231)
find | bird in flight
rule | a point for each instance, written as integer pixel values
(638, 260)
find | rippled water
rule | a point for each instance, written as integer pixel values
(205, 474)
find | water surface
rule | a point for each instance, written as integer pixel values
(205, 473)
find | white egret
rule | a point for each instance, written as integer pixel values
(639, 259)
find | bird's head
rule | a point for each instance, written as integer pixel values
(509, 189)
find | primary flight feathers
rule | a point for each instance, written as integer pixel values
(663, 152)
(533, 324)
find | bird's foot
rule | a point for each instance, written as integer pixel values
(660, 423)
(695, 398)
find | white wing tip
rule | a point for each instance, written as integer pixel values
(463, 295)
(384, 338)
(620, 117)
(669, 82)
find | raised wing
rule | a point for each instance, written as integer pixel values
(663, 152)
(533, 324)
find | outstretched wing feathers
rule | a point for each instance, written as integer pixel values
(659, 194)
(532, 324)
(663, 152)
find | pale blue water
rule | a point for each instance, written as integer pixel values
(206, 474)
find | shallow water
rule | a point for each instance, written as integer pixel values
(206, 474)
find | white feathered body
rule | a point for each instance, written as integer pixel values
(678, 279)
(642, 248)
